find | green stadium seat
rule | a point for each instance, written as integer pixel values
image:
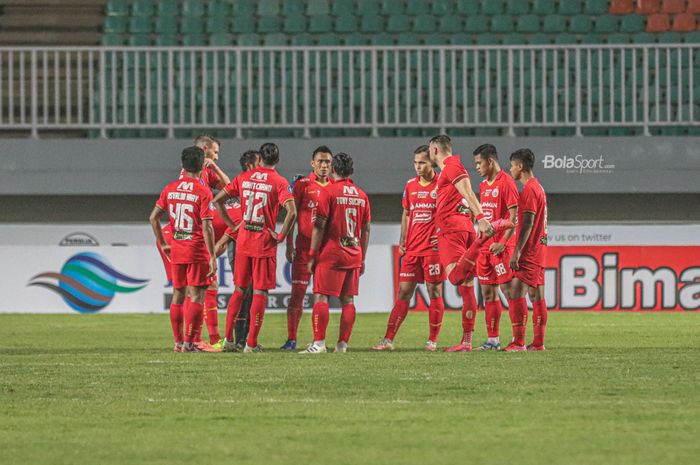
(268, 7)
(517, 7)
(692, 37)
(569, 7)
(461, 39)
(543, 7)
(539, 39)
(112, 40)
(367, 7)
(554, 24)
(355, 39)
(269, 24)
(502, 24)
(117, 8)
(435, 39)
(632, 23)
(190, 25)
(194, 39)
(166, 40)
(142, 8)
(221, 39)
(607, 24)
(139, 40)
(618, 38)
(487, 39)
(343, 7)
(417, 7)
(372, 24)
(218, 8)
(592, 39)
(317, 8)
(302, 39)
(565, 39)
(244, 7)
(382, 39)
(424, 24)
(115, 24)
(217, 24)
(295, 23)
(468, 7)
(492, 7)
(192, 8)
(442, 7)
(320, 24)
(392, 8)
(408, 39)
(643, 38)
(293, 7)
(581, 24)
(166, 25)
(669, 38)
(596, 7)
(476, 24)
(243, 25)
(528, 24)
(398, 24)
(451, 24)
(275, 40)
(346, 23)
(513, 39)
(328, 39)
(249, 40)
(140, 25)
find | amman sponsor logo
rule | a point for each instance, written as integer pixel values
(577, 164)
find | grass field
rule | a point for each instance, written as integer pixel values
(103, 389)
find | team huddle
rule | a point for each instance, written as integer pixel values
(332, 216)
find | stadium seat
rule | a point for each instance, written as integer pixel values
(166, 25)
(632, 23)
(528, 24)
(461, 39)
(658, 22)
(539, 39)
(166, 40)
(217, 24)
(142, 8)
(492, 7)
(368, 7)
(302, 39)
(569, 7)
(517, 7)
(139, 40)
(543, 7)
(442, 7)
(192, 8)
(319, 24)
(451, 24)
(502, 24)
(621, 7)
(194, 39)
(244, 8)
(249, 40)
(295, 23)
(268, 7)
(140, 25)
(684, 22)
(435, 39)
(190, 25)
(274, 40)
(487, 39)
(218, 8)
(112, 40)
(346, 23)
(269, 24)
(424, 24)
(382, 39)
(643, 38)
(606, 24)
(392, 7)
(117, 8)
(618, 38)
(115, 25)
(596, 7)
(417, 7)
(408, 39)
(398, 24)
(581, 24)
(673, 6)
(343, 7)
(221, 39)
(554, 24)
(317, 8)
(243, 25)
(693, 7)
(372, 24)
(355, 39)
(669, 38)
(647, 7)
(328, 39)
(476, 24)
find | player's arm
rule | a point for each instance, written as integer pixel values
(497, 248)
(288, 220)
(220, 247)
(528, 222)
(208, 231)
(223, 179)
(221, 197)
(317, 233)
(404, 231)
(154, 219)
(364, 243)
(464, 187)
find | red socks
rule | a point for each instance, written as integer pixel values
(398, 314)
(295, 310)
(234, 306)
(176, 319)
(518, 319)
(319, 319)
(347, 321)
(465, 264)
(493, 317)
(257, 313)
(468, 312)
(194, 314)
(211, 315)
(435, 312)
(539, 321)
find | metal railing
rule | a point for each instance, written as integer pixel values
(371, 88)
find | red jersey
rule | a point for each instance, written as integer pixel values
(496, 198)
(306, 193)
(421, 203)
(534, 200)
(236, 213)
(261, 191)
(187, 202)
(208, 178)
(346, 208)
(452, 209)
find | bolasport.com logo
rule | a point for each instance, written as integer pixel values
(579, 164)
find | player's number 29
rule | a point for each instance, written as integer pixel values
(255, 201)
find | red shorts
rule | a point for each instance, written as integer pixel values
(421, 269)
(300, 270)
(530, 273)
(330, 281)
(190, 274)
(452, 245)
(258, 271)
(494, 269)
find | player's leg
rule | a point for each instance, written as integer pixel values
(177, 304)
(194, 313)
(327, 282)
(492, 316)
(348, 311)
(539, 312)
(264, 278)
(295, 308)
(242, 324)
(211, 313)
(242, 276)
(517, 309)
(435, 313)
(397, 315)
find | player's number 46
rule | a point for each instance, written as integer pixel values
(182, 215)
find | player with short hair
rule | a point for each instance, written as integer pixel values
(188, 204)
(528, 257)
(337, 252)
(498, 195)
(213, 176)
(306, 192)
(420, 260)
(262, 191)
(455, 230)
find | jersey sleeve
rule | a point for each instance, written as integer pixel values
(511, 194)
(404, 199)
(528, 202)
(455, 173)
(232, 188)
(205, 206)
(283, 191)
(162, 200)
(323, 209)
(368, 212)
(213, 180)
(298, 191)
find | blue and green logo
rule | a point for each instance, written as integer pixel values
(88, 282)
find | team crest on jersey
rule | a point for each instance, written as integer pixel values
(258, 176)
(494, 192)
(311, 204)
(350, 190)
(185, 186)
(433, 194)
